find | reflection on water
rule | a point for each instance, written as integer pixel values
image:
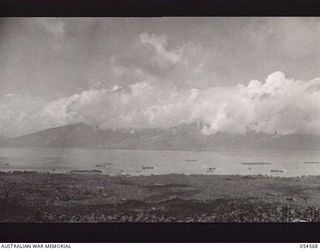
(146, 162)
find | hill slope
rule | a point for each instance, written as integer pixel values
(186, 137)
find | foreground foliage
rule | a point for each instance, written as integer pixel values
(73, 198)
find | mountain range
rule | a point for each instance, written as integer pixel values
(184, 137)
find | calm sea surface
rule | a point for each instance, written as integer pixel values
(146, 162)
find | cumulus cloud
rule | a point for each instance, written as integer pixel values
(279, 105)
(154, 61)
(162, 57)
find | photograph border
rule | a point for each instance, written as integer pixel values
(159, 232)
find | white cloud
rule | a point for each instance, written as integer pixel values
(163, 56)
(279, 104)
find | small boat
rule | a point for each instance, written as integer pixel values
(276, 171)
(103, 165)
(100, 166)
(255, 163)
(191, 160)
(210, 170)
(146, 167)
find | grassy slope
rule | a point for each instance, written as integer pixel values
(35, 197)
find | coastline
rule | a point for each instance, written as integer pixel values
(57, 197)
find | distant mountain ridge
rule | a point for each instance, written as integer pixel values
(185, 137)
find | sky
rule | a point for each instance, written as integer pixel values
(230, 74)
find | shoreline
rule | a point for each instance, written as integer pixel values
(95, 171)
(57, 197)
